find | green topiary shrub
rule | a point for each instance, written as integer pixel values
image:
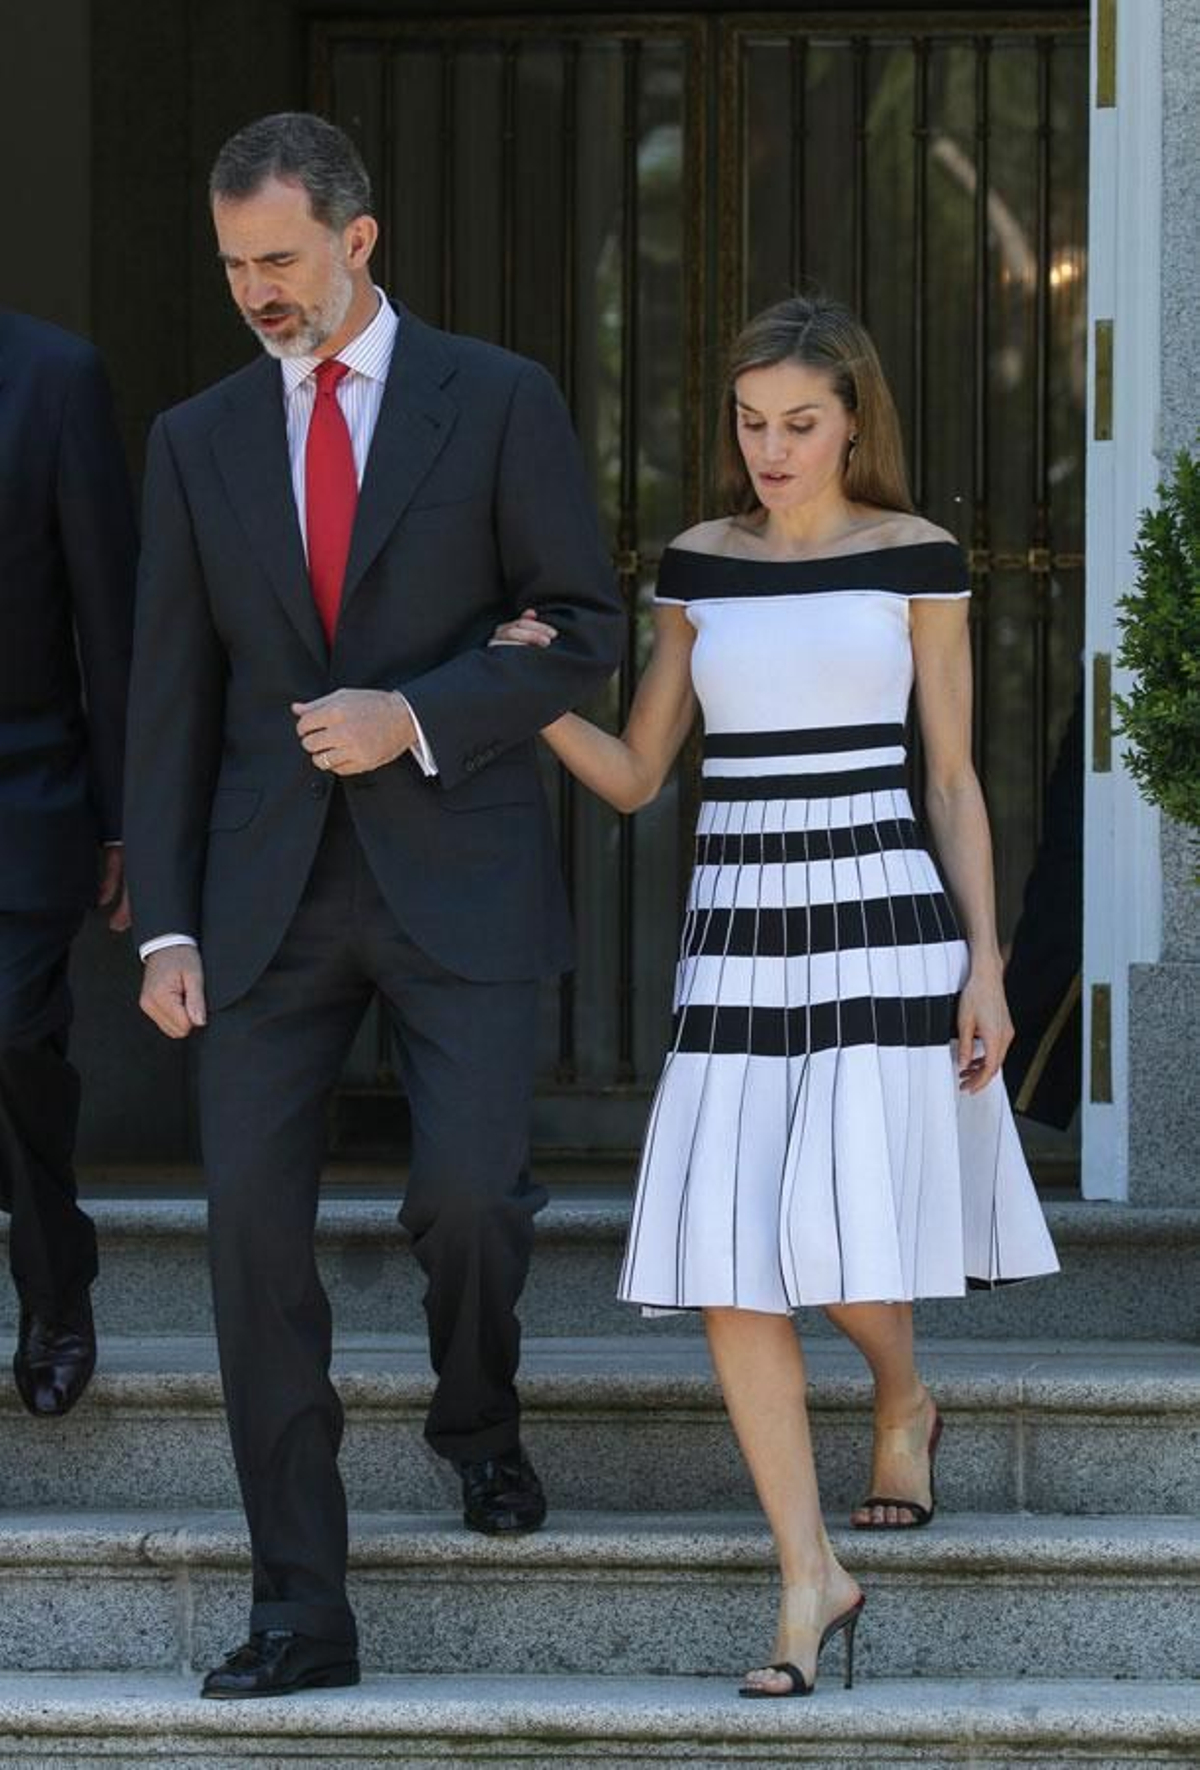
(1160, 640)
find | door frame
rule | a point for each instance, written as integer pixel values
(1122, 860)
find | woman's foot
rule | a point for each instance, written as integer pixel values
(805, 1612)
(902, 1465)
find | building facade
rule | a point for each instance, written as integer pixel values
(1004, 192)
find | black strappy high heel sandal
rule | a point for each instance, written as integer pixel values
(921, 1515)
(847, 1623)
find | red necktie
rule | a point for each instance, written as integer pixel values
(330, 494)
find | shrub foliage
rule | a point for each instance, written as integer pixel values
(1160, 641)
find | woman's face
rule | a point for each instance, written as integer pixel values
(794, 433)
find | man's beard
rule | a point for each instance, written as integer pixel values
(317, 324)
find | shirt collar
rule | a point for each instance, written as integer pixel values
(369, 353)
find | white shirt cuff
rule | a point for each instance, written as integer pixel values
(161, 940)
(421, 750)
(425, 762)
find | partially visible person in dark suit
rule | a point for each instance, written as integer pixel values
(68, 556)
(1044, 1067)
(333, 790)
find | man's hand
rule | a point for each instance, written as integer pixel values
(354, 729)
(112, 893)
(173, 990)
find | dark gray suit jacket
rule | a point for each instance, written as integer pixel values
(68, 554)
(474, 504)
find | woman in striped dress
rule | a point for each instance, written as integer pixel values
(829, 1128)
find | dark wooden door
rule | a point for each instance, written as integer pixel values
(613, 196)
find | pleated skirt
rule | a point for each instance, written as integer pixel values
(808, 1142)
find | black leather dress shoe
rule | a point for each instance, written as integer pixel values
(502, 1494)
(276, 1662)
(55, 1357)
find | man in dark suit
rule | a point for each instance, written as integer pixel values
(333, 790)
(68, 554)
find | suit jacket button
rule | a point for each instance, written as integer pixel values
(318, 789)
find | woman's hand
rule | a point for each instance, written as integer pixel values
(983, 1018)
(629, 770)
(525, 630)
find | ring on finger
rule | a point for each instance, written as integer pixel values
(324, 758)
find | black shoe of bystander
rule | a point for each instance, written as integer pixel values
(55, 1357)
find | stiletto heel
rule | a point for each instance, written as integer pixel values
(848, 1621)
(850, 1624)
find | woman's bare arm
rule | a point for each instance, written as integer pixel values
(959, 823)
(628, 771)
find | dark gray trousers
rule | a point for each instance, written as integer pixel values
(52, 1243)
(269, 1064)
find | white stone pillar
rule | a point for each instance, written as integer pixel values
(1122, 870)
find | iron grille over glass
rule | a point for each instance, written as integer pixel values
(612, 196)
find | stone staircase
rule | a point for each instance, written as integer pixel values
(1051, 1617)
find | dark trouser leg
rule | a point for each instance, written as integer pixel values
(268, 1064)
(52, 1243)
(467, 1055)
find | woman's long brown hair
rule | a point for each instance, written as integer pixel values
(820, 334)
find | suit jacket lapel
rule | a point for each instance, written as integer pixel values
(250, 445)
(414, 425)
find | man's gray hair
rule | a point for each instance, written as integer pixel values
(298, 148)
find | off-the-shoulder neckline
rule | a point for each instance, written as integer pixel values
(813, 558)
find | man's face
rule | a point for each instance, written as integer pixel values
(289, 274)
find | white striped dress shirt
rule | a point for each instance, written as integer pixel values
(360, 395)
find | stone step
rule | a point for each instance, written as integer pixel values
(636, 1424)
(107, 1722)
(1128, 1273)
(671, 1595)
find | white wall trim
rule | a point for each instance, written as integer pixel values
(1122, 862)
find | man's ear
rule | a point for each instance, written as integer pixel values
(359, 241)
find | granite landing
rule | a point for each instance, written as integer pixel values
(542, 1723)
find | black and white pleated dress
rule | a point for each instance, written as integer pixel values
(808, 1142)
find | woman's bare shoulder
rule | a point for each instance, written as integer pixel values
(914, 531)
(712, 536)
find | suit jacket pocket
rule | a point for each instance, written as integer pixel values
(451, 514)
(233, 808)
